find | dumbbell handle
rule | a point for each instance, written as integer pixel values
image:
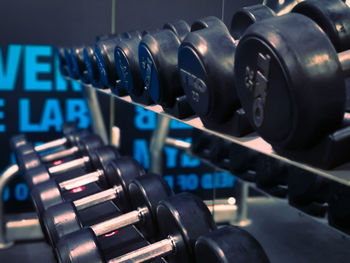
(51, 144)
(159, 249)
(59, 155)
(64, 167)
(97, 198)
(119, 222)
(344, 58)
(81, 180)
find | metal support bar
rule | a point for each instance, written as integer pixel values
(96, 114)
(242, 205)
(6, 176)
(157, 143)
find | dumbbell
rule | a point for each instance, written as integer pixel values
(248, 15)
(127, 65)
(67, 129)
(333, 16)
(281, 7)
(78, 66)
(158, 66)
(59, 52)
(104, 52)
(181, 220)
(69, 64)
(291, 102)
(205, 61)
(144, 193)
(48, 192)
(93, 72)
(229, 244)
(84, 147)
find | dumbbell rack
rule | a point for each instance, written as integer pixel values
(160, 139)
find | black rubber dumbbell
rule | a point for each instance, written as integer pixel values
(144, 193)
(84, 147)
(332, 16)
(69, 64)
(248, 15)
(41, 176)
(78, 65)
(104, 53)
(307, 191)
(158, 66)
(229, 244)
(127, 65)
(68, 129)
(62, 65)
(111, 171)
(93, 72)
(291, 109)
(181, 220)
(207, 76)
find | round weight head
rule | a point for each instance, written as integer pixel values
(36, 175)
(146, 192)
(78, 247)
(45, 195)
(229, 244)
(68, 61)
(104, 52)
(184, 217)
(60, 220)
(281, 7)
(102, 156)
(291, 85)
(247, 16)
(332, 16)
(17, 141)
(78, 61)
(25, 149)
(179, 27)
(89, 144)
(127, 65)
(158, 66)
(91, 67)
(27, 161)
(121, 172)
(59, 53)
(75, 136)
(208, 83)
(68, 128)
(206, 22)
(73, 65)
